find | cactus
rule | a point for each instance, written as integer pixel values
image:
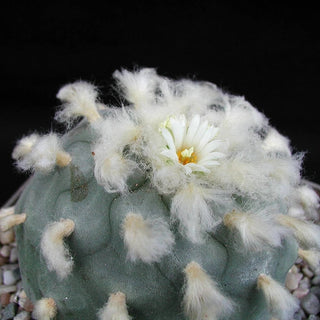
(182, 203)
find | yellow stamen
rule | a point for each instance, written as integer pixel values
(187, 156)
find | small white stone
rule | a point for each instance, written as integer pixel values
(300, 293)
(5, 251)
(311, 304)
(10, 267)
(304, 283)
(1, 276)
(7, 236)
(294, 269)
(316, 281)
(14, 255)
(292, 280)
(7, 289)
(307, 272)
(24, 315)
(10, 277)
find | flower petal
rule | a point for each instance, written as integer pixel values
(169, 139)
(178, 128)
(192, 129)
(169, 154)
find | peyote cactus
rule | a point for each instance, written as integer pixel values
(183, 203)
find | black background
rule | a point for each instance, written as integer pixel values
(265, 51)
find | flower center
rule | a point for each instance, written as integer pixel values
(187, 156)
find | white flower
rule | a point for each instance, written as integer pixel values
(191, 144)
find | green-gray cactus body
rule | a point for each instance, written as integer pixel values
(183, 204)
(153, 291)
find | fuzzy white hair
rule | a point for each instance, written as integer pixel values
(53, 249)
(281, 303)
(115, 308)
(255, 174)
(80, 100)
(113, 171)
(256, 229)
(307, 233)
(239, 124)
(308, 200)
(275, 142)
(202, 298)
(168, 179)
(148, 239)
(11, 220)
(183, 96)
(112, 166)
(312, 257)
(190, 207)
(45, 154)
(138, 87)
(44, 309)
(24, 146)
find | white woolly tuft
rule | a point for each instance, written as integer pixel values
(4, 212)
(255, 174)
(190, 208)
(309, 201)
(239, 123)
(11, 220)
(280, 302)
(256, 230)
(275, 142)
(307, 233)
(138, 87)
(115, 308)
(45, 154)
(80, 101)
(24, 146)
(168, 179)
(146, 239)
(202, 298)
(113, 164)
(305, 204)
(55, 253)
(112, 171)
(44, 309)
(311, 257)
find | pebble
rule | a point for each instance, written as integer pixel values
(7, 237)
(300, 293)
(10, 277)
(9, 311)
(299, 315)
(24, 315)
(304, 283)
(311, 304)
(5, 298)
(5, 289)
(5, 251)
(13, 255)
(307, 272)
(316, 291)
(313, 317)
(3, 261)
(316, 280)
(24, 302)
(293, 279)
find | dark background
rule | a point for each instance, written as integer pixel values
(267, 52)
